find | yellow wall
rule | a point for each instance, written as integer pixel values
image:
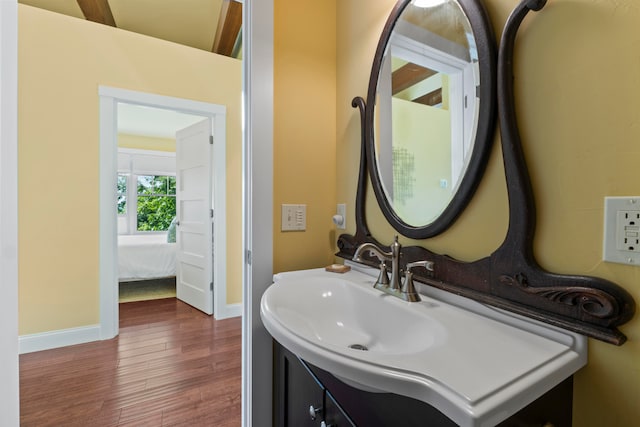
(581, 135)
(61, 62)
(431, 157)
(304, 130)
(146, 142)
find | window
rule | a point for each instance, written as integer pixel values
(156, 204)
(146, 191)
(154, 199)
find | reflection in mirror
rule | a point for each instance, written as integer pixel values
(426, 109)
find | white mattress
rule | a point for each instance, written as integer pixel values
(145, 257)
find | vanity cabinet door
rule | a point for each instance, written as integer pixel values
(334, 416)
(300, 400)
(299, 397)
(296, 392)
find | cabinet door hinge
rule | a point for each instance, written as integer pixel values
(211, 139)
(249, 257)
(211, 285)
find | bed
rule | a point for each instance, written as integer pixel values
(143, 257)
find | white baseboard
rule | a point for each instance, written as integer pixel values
(228, 311)
(85, 334)
(59, 338)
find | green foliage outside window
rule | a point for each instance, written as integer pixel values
(156, 202)
(122, 194)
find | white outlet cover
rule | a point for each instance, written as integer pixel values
(617, 227)
(341, 211)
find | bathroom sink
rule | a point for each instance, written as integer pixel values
(476, 364)
(327, 310)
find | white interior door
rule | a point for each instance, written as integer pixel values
(194, 212)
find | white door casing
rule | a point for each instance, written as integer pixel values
(9, 378)
(109, 99)
(258, 24)
(194, 213)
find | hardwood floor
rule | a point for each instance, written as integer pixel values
(171, 365)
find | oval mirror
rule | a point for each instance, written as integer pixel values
(430, 112)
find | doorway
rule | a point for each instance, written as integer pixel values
(258, 162)
(110, 101)
(151, 194)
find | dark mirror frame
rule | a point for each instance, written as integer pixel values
(485, 43)
(510, 278)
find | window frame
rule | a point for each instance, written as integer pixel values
(127, 167)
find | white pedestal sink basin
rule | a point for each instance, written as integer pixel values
(476, 364)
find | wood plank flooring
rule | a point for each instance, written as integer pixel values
(171, 365)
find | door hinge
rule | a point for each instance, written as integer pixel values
(211, 139)
(249, 257)
(211, 285)
(211, 211)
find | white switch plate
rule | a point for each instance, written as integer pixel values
(294, 218)
(622, 230)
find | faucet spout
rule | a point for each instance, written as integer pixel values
(395, 265)
(393, 255)
(374, 250)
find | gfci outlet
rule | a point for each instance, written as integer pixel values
(622, 230)
(627, 228)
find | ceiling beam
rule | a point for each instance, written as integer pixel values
(97, 11)
(229, 27)
(431, 98)
(409, 75)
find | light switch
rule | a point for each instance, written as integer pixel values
(294, 218)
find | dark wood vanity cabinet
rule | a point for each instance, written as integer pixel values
(301, 400)
(299, 385)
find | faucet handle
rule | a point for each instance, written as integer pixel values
(408, 291)
(426, 264)
(383, 277)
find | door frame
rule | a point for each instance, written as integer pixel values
(9, 392)
(258, 75)
(109, 98)
(258, 139)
